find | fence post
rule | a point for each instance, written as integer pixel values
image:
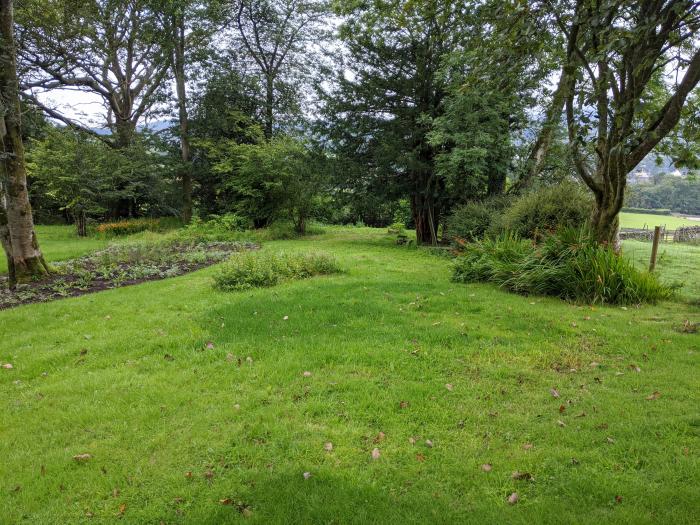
(655, 248)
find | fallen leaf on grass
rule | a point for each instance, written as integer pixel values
(528, 446)
(307, 475)
(208, 474)
(226, 501)
(618, 499)
(375, 453)
(307, 374)
(561, 409)
(610, 440)
(428, 443)
(521, 475)
(554, 392)
(8, 366)
(210, 345)
(122, 508)
(653, 396)
(487, 467)
(420, 457)
(403, 404)
(285, 318)
(635, 368)
(328, 447)
(82, 457)
(168, 357)
(449, 387)
(513, 498)
(379, 437)
(561, 423)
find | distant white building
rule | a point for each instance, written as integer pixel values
(641, 176)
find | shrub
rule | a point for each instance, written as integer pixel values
(226, 227)
(131, 226)
(570, 265)
(473, 220)
(547, 209)
(262, 269)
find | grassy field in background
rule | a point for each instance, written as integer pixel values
(440, 378)
(649, 221)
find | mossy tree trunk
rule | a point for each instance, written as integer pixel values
(19, 241)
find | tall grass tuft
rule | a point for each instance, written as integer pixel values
(569, 264)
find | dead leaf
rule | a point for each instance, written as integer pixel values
(403, 404)
(428, 443)
(375, 453)
(8, 366)
(521, 475)
(208, 474)
(379, 437)
(554, 392)
(635, 368)
(420, 457)
(487, 467)
(82, 457)
(307, 374)
(412, 440)
(115, 493)
(285, 318)
(449, 387)
(561, 423)
(610, 440)
(328, 447)
(561, 409)
(210, 345)
(307, 475)
(226, 501)
(618, 499)
(528, 446)
(122, 508)
(513, 498)
(168, 357)
(653, 396)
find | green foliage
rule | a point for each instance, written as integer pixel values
(646, 211)
(548, 208)
(262, 269)
(78, 175)
(473, 220)
(570, 264)
(673, 193)
(281, 179)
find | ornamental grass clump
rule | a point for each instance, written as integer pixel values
(569, 264)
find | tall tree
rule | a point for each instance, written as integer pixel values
(114, 49)
(619, 52)
(279, 36)
(17, 234)
(190, 25)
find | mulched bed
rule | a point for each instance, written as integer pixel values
(118, 266)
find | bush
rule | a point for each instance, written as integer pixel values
(570, 265)
(131, 226)
(565, 205)
(226, 227)
(473, 220)
(262, 269)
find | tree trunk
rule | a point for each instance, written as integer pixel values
(540, 149)
(80, 223)
(426, 218)
(269, 106)
(179, 67)
(19, 239)
(606, 226)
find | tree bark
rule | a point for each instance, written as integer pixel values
(426, 217)
(19, 239)
(269, 106)
(540, 149)
(179, 71)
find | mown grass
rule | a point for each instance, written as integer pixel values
(59, 243)
(126, 376)
(646, 220)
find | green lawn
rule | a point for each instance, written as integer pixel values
(644, 220)
(381, 342)
(59, 243)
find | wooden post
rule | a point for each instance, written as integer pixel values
(655, 248)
